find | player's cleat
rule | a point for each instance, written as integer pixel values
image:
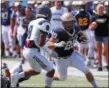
(23, 79)
(14, 80)
(107, 67)
(100, 69)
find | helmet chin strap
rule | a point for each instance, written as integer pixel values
(70, 34)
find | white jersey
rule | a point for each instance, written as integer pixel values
(34, 29)
(56, 14)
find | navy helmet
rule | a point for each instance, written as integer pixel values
(43, 11)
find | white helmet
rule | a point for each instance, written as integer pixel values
(67, 17)
(44, 26)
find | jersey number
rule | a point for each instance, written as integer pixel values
(29, 31)
(69, 45)
(83, 21)
(54, 35)
(5, 15)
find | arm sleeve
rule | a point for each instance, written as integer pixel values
(55, 34)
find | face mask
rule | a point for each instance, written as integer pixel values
(70, 29)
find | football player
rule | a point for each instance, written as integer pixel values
(37, 32)
(62, 40)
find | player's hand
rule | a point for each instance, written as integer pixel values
(60, 44)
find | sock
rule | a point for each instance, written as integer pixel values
(104, 61)
(6, 53)
(15, 53)
(11, 49)
(48, 81)
(21, 75)
(22, 61)
(94, 84)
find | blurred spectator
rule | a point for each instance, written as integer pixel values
(52, 3)
(89, 7)
(39, 2)
(57, 10)
(68, 5)
(31, 5)
(107, 7)
(83, 19)
(15, 22)
(23, 27)
(101, 35)
(5, 21)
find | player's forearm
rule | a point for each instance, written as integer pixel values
(54, 44)
(51, 45)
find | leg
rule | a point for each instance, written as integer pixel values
(19, 45)
(46, 65)
(106, 52)
(5, 40)
(36, 69)
(37, 61)
(99, 53)
(61, 73)
(78, 63)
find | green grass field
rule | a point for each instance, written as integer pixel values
(71, 81)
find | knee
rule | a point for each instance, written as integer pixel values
(86, 70)
(51, 73)
(62, 77)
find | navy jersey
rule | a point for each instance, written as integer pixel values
(83, 19)
(6, 15)
(61, 35)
